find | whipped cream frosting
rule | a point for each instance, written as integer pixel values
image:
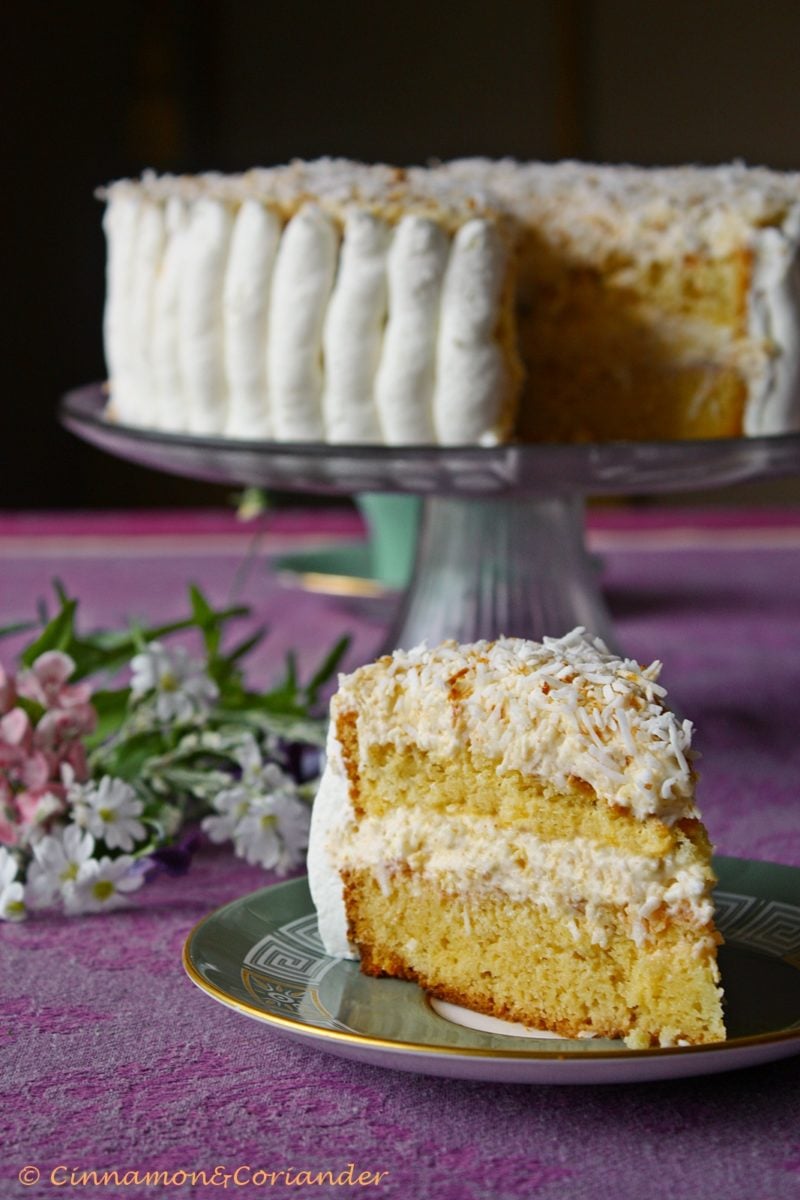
(304, 274)
(467, 350)
(331, 820)
(201, 338)
(245, 309)
(120, 223)
(774, 304)
(236, 307)
(170, 407)
(354, 332)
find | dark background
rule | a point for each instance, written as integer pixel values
(92, 92)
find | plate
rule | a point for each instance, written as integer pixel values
(261, 955)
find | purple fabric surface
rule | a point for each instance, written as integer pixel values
(110, 1058)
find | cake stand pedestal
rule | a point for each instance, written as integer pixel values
(501, 545)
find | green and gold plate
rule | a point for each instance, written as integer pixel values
(261, 955)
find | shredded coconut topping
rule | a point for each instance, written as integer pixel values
(561, 709)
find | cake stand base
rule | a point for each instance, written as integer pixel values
(491, 566)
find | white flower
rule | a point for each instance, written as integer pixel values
(274, 833)
(57, 861)
(263, 815)
(102, 884)
(110, 811)
(232, 804)
(12, 892)
(179, 684)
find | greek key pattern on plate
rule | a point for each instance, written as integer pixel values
(292, 954)
(770, 926)
(283, 971)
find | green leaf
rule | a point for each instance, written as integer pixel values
(34, 710)
(206, 619)
(247, 645)
(127, 758)
(16, 627)
(111, 708)
(56, 635)
(326, 669)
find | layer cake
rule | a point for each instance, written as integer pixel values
(471, 302)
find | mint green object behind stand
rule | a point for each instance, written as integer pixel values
(393, 524)
(387, 556)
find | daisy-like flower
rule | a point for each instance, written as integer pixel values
(102, 884)
(109, 811)
(179, 684)
(57, 862)
(12, 891)
(274, 833)
(263, 815)
(232, 805)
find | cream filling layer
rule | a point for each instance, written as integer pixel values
(573, 880)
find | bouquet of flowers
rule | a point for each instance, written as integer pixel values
(100, 786)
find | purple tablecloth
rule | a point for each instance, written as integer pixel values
(110, 1057)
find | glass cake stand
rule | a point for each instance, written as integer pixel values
(501, 544)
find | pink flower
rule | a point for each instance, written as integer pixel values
(9, 832)
(60, 726)
(15, 738)
(8, 691)
(46, 682)
(37, 806)
(75, 757)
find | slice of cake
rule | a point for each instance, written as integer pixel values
(512, 825)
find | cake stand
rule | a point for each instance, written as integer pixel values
(501, 543)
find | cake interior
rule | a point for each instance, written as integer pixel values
(496, 892)
(624, 349)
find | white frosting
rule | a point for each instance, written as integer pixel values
(120, 223)
(302, 283)
(405, 378)
(171, 409)
(149, 249)
(472, 382)
(227, 323)
(773, 404)
(354, 332)
(332, 817)
(201, 329)
(248, 277)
